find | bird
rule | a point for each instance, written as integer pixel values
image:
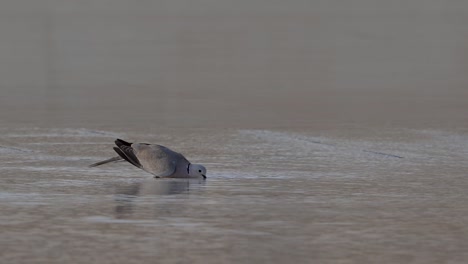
(158, 160)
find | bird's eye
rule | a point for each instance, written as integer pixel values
(199, 170)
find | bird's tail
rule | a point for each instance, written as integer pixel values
(113, 159)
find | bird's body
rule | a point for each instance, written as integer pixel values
(158, 160)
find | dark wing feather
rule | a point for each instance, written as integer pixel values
(120, 142)
(127, 154)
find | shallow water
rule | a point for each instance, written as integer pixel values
(270, 196)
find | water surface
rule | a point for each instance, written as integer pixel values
(270, 196)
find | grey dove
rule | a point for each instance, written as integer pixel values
(155, 159)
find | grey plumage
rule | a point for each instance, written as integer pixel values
(155, 159)
(159, 160)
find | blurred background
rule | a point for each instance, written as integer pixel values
(208, 63)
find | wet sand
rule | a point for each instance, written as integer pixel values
(332, 132)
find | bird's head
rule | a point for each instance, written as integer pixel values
(198, 170)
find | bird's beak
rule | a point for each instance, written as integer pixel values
(204, 176)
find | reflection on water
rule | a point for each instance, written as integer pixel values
(157, 187)
(126, 195)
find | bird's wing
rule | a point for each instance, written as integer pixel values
(157, 159)
(125, 150)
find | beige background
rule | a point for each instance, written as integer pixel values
(235, 63)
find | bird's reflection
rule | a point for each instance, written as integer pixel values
(126, 195)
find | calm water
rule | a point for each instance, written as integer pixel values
(333, 132)
(271, 196)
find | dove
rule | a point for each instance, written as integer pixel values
(158, 160)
